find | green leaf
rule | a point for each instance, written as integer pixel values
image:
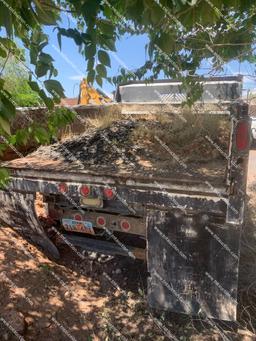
(5, 125)
(33, 54)
(6, 19)
(90, 9)
(101, 70)
(3, 53)
(7, 108)
(41, 135)
(41, 69)
(106, 27)
(58, 118)
(109, 43)
(166, 42)
(42, 45)
(104, 58)
(34, 86)
(90, 64)
(59, 39)
(55, 72)
(4, 177)
(38, 37)
(54, 87)
(12, 139)
(46, 15)
(72, 33)
(90, 51)
(48, 101)
(91, 76)
(45, 58)
(22, 136)
(1, 83)
(99, 80)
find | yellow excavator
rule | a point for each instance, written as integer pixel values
(89, 95)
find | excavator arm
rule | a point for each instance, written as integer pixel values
(89, 95)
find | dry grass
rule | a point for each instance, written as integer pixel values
(185, 133)
(67, 133)
(104, 120)
(98, 121)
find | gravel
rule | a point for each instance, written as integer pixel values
(116, 149)
(96, 147)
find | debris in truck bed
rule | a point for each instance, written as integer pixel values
(142, 146)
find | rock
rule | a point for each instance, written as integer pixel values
(29, 320)
(246, 335)
(67, 294)
(92, 255)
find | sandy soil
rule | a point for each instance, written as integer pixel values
(103, 298)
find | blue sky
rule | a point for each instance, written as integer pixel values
(130, 54)
(72, 66)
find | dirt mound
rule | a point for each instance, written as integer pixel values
(95, 147)
(145, 146)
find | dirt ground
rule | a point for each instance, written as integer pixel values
(103, 298)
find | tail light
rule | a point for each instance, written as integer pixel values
(85, 190)
(242, 136)
(125, 225)
(109, 193)
(78, 217)
(62, 187)
(101, 221)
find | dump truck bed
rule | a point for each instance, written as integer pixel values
(211, 171)
(154, 150)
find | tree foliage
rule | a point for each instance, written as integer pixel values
(182, 33)
(16, 82)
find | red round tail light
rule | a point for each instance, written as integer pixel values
(109, 193)
(125, 225)
(85, 190)
(101, 221)
(242, 136)
(78, 217)
(62, 187)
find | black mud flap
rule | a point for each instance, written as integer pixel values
(193, 266)
(17, 210)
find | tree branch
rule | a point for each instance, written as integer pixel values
(58, 8)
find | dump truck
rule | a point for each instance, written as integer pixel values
(160, 184)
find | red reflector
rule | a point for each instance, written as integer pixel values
(242, 135)
(78, 217)
(101, 221)
(85, 190)
(109, 193)
(125, 225)
(63, 188)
